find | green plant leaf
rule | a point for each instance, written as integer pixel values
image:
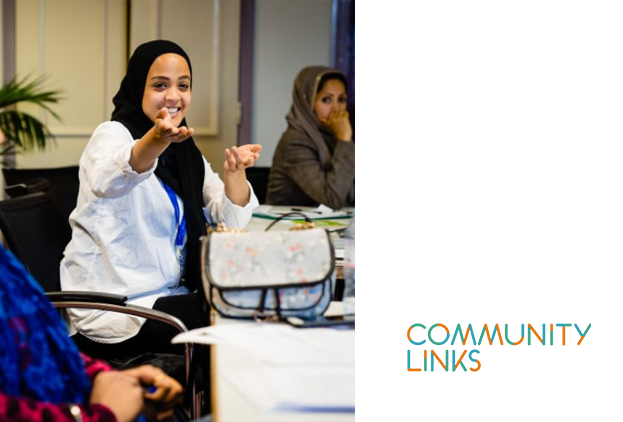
(24, 130)
(21, 129)
(22, 91)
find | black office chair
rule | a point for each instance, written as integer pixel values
(63, 185)
(258, 177)
(37, 234)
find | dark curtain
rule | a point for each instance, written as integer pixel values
(344, 47)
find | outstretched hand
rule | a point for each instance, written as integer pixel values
(166, 129)
(240, 158)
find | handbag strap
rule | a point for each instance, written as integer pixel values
(259, 315)
(307, 225)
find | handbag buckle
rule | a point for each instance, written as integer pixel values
(261, 317)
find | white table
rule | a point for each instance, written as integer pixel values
(260, 223)
(229, 405)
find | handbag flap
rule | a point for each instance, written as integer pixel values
(268, 259)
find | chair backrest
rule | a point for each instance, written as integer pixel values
(37, 234)
(64, 184)
(258, 177)
(40, 184)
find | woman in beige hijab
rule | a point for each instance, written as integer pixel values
(314, 162)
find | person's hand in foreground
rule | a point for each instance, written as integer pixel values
(120, 392)
(159, 404)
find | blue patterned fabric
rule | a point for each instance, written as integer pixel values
(37, 358)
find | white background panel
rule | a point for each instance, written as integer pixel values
(490, 191)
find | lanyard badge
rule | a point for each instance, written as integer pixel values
(180, 237)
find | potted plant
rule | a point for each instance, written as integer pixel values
(19, 130)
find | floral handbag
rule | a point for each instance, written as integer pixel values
(268, 274)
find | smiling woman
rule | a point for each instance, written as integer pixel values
(146, 193)
(168, 86)
(166, 100)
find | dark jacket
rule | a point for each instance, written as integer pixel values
(298, 178)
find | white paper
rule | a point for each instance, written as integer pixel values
(294, 389)
(281, 344)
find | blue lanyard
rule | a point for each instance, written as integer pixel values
(181, 226)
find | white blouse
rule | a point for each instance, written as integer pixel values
(124, 230)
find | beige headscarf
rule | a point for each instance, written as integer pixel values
(301, 116)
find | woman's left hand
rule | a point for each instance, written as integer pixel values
(240, 158)
(167, 392)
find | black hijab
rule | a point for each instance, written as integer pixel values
(181, 165)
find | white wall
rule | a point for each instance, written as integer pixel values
(289, 35)
(79, 47)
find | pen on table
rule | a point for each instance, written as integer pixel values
(301, 210)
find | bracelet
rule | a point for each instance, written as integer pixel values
(75, 411)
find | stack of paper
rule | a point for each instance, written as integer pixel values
(299, 389)
(301, 369)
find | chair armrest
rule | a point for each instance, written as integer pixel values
(36, 185)
(124, 308)
(117, 303)
(15, 191)
(87, 297)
